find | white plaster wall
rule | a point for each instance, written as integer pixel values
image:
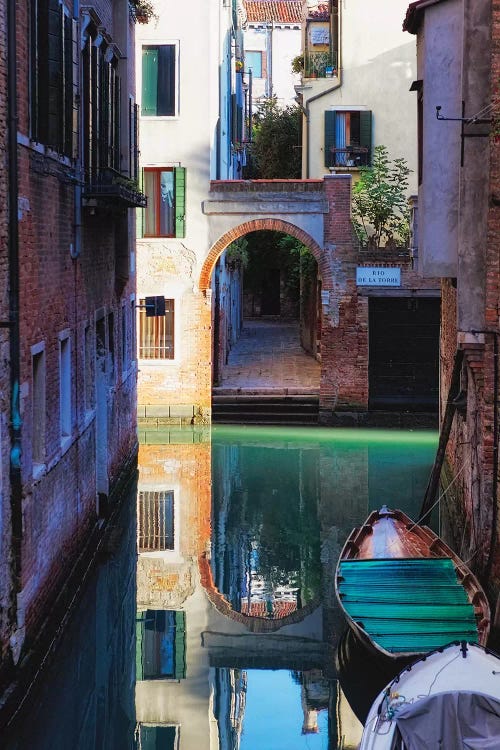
(377, 68)
(171, 267)
(286, 44)
(439, 55)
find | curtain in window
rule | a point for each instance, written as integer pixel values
(341, 137)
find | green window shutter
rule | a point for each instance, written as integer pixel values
(149, 80)
(139, 629)
(180, 645)
(74, 96)
(365, 132)
(180, 202)
(139, 213)
(330, 122)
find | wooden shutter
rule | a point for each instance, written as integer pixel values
(365, 132)
(55, 76)
(330, 123)
(139, 214)
(67, 115)
(149, 80)
(180, 645)
(74, 97)
(180, 202)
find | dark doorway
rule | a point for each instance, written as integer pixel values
(270, 300)
(404, 354)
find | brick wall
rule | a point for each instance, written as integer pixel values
(5, 531)
(59, 295)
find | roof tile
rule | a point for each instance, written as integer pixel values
(279, 11)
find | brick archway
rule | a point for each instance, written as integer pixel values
(271, 225)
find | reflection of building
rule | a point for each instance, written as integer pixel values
(230, 687)
(173, 508)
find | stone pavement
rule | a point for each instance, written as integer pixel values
(268, 359)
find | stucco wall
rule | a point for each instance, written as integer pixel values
(284, 43)
(377, 67)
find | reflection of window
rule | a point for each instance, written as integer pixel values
(348, 138)
(158, 80)
(253, 62)
(165, 190)
(156, 334)
(157, 737)
(155, 521)
(161, 645)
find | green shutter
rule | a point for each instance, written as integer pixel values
(139, 630)
(180, 645)
(55, 76)
(330, 121)
(365, 132)
(139, 213)
(149, 80)
(180, 202)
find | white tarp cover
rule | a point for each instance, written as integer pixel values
(451, 721)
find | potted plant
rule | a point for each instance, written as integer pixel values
(143, 10)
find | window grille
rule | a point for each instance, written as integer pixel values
(155, 521)
(156, 334)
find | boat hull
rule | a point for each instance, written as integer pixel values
(439, 698)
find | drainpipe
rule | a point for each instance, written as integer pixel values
(14, 339)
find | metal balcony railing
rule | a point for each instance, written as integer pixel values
(320, 64)
(349, 156)
(110, 186)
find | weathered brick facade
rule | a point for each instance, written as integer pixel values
(5, 526)
(77, 370)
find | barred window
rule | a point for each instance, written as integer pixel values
(156, 333)
(155, 521)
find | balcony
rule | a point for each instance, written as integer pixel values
(348, 157)
(320, 64)
(111, 187)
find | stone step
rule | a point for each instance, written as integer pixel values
(265, 409)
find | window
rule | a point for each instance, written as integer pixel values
(152, 737)
(165, 188)
(159, 80)
(155, 521)
(348, 138)
(161, 650)
(65, 386)
(54, 76)
(38, 372)
(101, 105)
(156, 334)
(253, 62)
(89, 368)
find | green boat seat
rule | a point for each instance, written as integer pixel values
(407, 605)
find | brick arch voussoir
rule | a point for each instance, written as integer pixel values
(271, 225)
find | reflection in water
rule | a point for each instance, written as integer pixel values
(231, 637)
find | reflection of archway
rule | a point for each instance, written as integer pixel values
(273, 225)
(254, 624)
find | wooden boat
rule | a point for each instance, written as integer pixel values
(404, 592)
(449, 698)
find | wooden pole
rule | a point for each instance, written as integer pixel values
(444, 434)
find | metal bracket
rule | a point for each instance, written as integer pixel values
(465, 121)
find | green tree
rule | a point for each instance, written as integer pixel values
(276, 139)
(380, 206)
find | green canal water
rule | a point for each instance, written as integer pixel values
(212, 624)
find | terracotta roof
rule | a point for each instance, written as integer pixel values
(279, 11)
(413, 17)
(280, 609)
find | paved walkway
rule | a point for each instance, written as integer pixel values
(268, 358)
